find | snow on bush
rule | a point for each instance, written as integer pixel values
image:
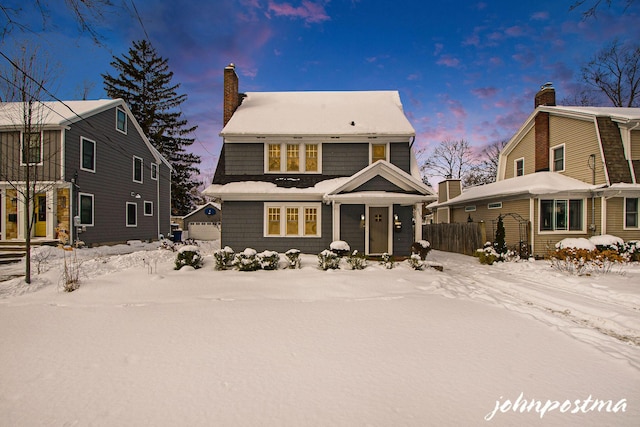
(632, 250)
(576, 243)
(422, 248)
(387, 260)
(340, 247)
(247, 260)
(357, 261)
(488, 255)
(415, 262)
(293, 258)
(581, 256)
(223, 258)
(607, 240)
(188, 255)
(328, 260)
(269, 260)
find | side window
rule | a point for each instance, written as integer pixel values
(631, 213)
(148, 208)
(85, 208)
(132, 214)
(558, 158)
(121, 120)
(87, 154)
(137, 169)
(32, 148)
(154, 171)
(519, 167)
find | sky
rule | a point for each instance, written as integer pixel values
(464, 69)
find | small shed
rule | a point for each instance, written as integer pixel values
(204, 222)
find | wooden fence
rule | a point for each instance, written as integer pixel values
(463, 238)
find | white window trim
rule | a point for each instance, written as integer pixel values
(126, 215)
(93, 208)
(567, 231)
(146, 203)
(494, 205)
(40, 162)
(552, 158)
(386, 150)
(471, 208)
(302, 158)
(624, 214)
(154, 171)
(515, 166)
(126, 120)
(82, 139)
(133, 177)
(283, 219)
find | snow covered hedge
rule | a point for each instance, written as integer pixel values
(188, 255)
(421, 248)
(223, 258)
(580, 256)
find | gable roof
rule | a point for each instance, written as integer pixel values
(534, 184)
(320, 113)
(64, 113)
(201, 207)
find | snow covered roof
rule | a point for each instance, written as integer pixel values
(616, 113)
(260, 190)
(534, 184)
(320, 113)
(55, 113)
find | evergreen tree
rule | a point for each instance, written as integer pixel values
(144, 82)
(500, 244)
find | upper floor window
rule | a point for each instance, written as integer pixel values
(121, 120)
(561, 215)
(557, 157)
(137, 169)
(292, 158)
(32, 148)
(378, 152)
(631, 212)
(519, 167)
(154, 171)
(87, 155)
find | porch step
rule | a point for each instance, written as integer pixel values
(12, 251)
(11, 257)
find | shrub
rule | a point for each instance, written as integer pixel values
(223, 258)
(70, 270)
(632, 250)
(188, 255)
(422, 248)
(339, 247)
(357, 261)
(387, 260)
(328, 260)
(293, 257)
(500, 245)
(583, 259)
(246, 260)
(415, 262)
(488, 255)
(607, 242)
(269, 260)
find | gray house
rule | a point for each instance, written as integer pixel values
(302, 169)
(99, 179)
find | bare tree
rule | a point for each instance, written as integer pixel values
(451, 158)
(27, 153)
(485, 170)
(593, 5)
(615, 71)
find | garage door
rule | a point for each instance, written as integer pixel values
(204, 230)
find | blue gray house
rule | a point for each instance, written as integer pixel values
(98, 178)
(302, 169)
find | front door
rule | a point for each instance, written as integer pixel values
(41, 216)
(378, 230)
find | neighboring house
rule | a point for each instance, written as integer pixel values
(302, 169)
(567, 172)
(203, 223)
(98, 176)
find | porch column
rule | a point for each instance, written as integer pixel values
(417, 220)
(335, 215)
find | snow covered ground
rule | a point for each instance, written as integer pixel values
(142, 344)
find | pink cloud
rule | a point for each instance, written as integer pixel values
(485, 92)
(496, 61)
(449, 61)
(414, 77)
(540, 16)
(515, 31)
(308, 11)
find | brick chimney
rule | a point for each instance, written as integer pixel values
(546, 96)
(231, 98)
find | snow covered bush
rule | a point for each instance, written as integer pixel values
(70, 270)
(415, 262)
(357, 261)
(269, 260)
(422, 248)
(608, 242)
(581, 257)
(339, 247)
(328, 260)
(293, 257)
(488, 254)
(632, 250)
(387, 260)
(188, 255)
(247, 260)
(223, 258)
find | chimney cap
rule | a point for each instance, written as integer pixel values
(547, 85)
(231, 65)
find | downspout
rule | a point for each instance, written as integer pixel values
(592, 166)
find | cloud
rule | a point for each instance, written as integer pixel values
(514, 31)
(485, 92)
(449, 61)
(540, 16)
(414, 76)
(308, 11)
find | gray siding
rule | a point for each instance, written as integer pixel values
(244, 159)
(379, 183)
(242, 227)
(350, 229)
(400, 155)
(403, 239)
(112, 183)
(10, 158)
(344, 159)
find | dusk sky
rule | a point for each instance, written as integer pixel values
(464, 69)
